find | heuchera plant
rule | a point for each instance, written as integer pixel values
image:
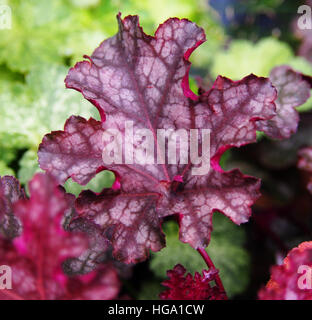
(132, 76)
(143, 79)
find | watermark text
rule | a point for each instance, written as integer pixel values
(144, 146)
(5, 277)
(305, 20)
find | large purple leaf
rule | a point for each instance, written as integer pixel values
(135, 77)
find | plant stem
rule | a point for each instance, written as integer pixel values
(210, 265)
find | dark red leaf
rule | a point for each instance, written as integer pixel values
(185, 287)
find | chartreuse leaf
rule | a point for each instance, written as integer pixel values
(39, 106)
(45, 87)
(102, 180)
(225, 249)
(5, 170)
(28, 166)
(56, 23)
(244, 57)
(36, 33)
(73, 28)
(85, 3)
(14, 116)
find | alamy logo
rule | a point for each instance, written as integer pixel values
(5, 17)
(305, 20)
(145, 147)
(5, 277)
(305, 280)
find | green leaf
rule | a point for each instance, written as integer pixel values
(28, 166)
(5, 170)
(7, 154)
(244, 57)
(35, 35)
(150, 290)
(257, 7)
(102, 180)
(85, 3)
(9, 78)
(40, 106)
(225, 249)
(48, 31)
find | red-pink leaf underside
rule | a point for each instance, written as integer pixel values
(293, 90)
(37, 254)
(305, 163)
(10, 192)
(144, 79)
(288, 281)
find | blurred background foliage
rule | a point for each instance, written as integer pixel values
(243, 37)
